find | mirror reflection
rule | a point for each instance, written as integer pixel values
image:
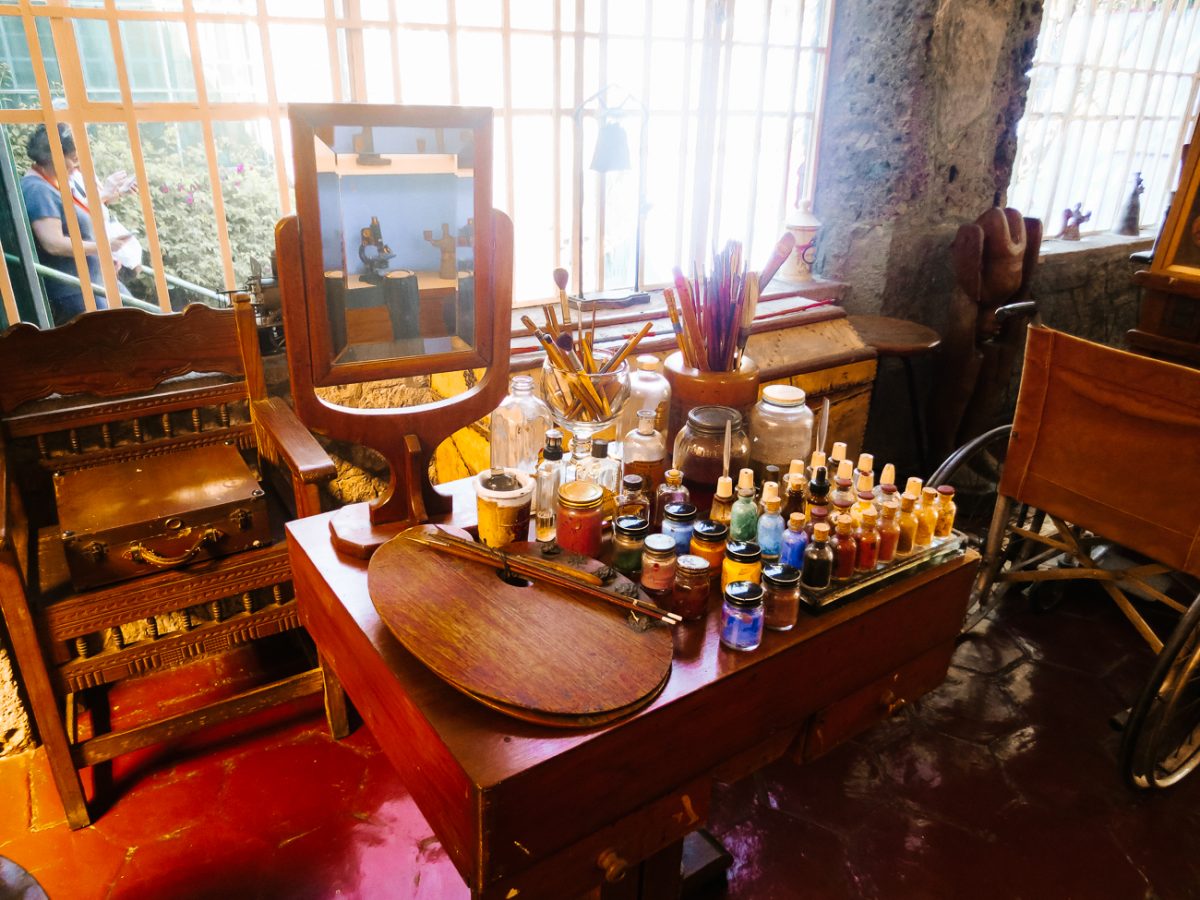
(397, 238)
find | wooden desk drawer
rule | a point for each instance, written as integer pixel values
(614, 850)
(883, 697)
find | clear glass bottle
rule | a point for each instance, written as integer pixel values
(699, 450)
(908, 525)
(633, 499)
(603, 470)
(836, 455)
(722, 501)
(795, 540)
(671, 490)
(742, 616)
(770, 530)
(575, 467)
(864, 501)
(889, 531)
(549, 478)
(644, 451)
(843, 487)
(678, 521)
(648, 389)
(781, 600)
(927, 515)
(781, 427)
(796, 486)
(743, 517)
(867, 537)
(817, 573)
(946, 511)
(518, 427)
(866, 466)
(629, 537)
(887, 478)
(845, 549)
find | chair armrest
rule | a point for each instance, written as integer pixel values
(284, 437)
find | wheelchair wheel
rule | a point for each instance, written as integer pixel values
(984, 516)
(1161, 743)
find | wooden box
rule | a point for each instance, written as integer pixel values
(134, 517)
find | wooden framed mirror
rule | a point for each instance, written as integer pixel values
(394, 265)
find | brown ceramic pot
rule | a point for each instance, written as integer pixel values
(691, 388)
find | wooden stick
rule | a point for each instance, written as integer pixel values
(515, 562)
(782, 250)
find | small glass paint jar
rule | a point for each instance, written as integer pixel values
(868, 541)
(845, 549)
(580, 517)
(658, 565)
(889, 531)
(927, 515)
(946, 510)
(781, 597)
(742, 616)
(690, 596)
(708, 543)
(629, 537)
(743, 562)
(907, 523)
(817, 573)
(678, 521)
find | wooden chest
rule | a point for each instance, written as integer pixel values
(134, 517)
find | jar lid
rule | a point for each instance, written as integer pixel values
(708, 530)
(783, 395)
(743, 551)
(600, 448)
(712, 419)
(946, 490)
(660, 543)
(580, 495)
(679, 512)
(635, 526)
(648, 363)
(744, 594)
(781, 576)
(694, 565)
(502, 481)
(819, 512)
(632, 482)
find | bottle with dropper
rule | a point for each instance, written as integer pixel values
(818, 493)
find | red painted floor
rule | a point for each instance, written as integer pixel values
(1001, 784)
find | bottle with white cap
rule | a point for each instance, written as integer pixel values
(648, 389)
(781, 427)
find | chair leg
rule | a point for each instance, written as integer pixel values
(336, 706)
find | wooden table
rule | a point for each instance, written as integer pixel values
(526, 811)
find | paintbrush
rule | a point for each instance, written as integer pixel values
(728, 446)
(823, 425)
(781, 252)
(749, 307)
(561, 276)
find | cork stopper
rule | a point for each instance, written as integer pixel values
(890, 508)
(844, 524)
(770, 491)
(817, 460)
(889, 474)
(865, 482)
(839, 450)
(866, 462)
(928, 495)
(845, 469)
(796, 521)
(724, 487)
(674, 477)
(796, 467)
(946, 491)
(772, 504)
(820, 532)
(870, 515)
(913, 487)
(907, 501)
(746, 479)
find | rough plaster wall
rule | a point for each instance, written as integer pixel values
(15, 731)
(919, 133)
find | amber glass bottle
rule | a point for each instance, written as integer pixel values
(845, 549)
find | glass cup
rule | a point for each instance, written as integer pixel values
(503, 513)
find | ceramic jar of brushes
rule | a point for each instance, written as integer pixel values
(691, 388)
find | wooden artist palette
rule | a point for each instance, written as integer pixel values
(538, 652)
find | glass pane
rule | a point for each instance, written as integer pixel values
(161, 5)
(478, 12)
(96, 57)
(533, 76)
(748, 20)
(231, 6)
(536, 14)
(534, 215)
(311, 9)
(377, 57)
(18, 82)
(424, 67)
(233, 61)
(627, 17)
(158, 61)
(377, 10)
(481, 62)
(247, 170)
(428, 12)
(178, 185)
(669, 80)
(301, 58)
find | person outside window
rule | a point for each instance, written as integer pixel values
(48, 218)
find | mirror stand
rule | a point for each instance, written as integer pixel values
(405, 437)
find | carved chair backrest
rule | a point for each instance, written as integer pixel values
(118, 384)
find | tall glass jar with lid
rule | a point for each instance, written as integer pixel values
(781, 428)
(700, 450)
(518, 427)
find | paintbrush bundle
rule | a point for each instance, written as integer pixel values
(712, 313)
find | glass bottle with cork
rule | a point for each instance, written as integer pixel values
(843, 485)
(867, 537)
(818, 514)
(927, 515)
(845, 549)
(645, 451)
(633, 499)
(865, 467)
(770, 524)
(518, 427)
(743, 517)
(549, 478)
(864, 498)
(907, 524)
(722, 502)
(947, 509)
(889, 531)
(795, 541)
(886, 489)
(817, 573)
(672, 490)
(796, 486)
(816, 461)
(834, 462)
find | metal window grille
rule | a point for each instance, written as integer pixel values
(1114, 90)
(721, 100)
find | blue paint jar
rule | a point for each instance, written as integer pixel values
(678, 521)
(742, 616)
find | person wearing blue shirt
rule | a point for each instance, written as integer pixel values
(43, 203)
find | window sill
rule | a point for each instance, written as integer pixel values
(1099, 242)
(784, 304)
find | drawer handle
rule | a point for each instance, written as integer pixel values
(614, 867)
(140, 554)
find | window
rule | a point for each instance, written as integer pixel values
(1114, 90)
(718, 101)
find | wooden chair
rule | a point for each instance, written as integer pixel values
(122, 384)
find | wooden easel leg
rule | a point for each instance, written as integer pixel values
(336, 705)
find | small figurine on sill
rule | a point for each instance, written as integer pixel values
(374, 253)
(446, 244)
(1072, 219)
(1131, 213)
